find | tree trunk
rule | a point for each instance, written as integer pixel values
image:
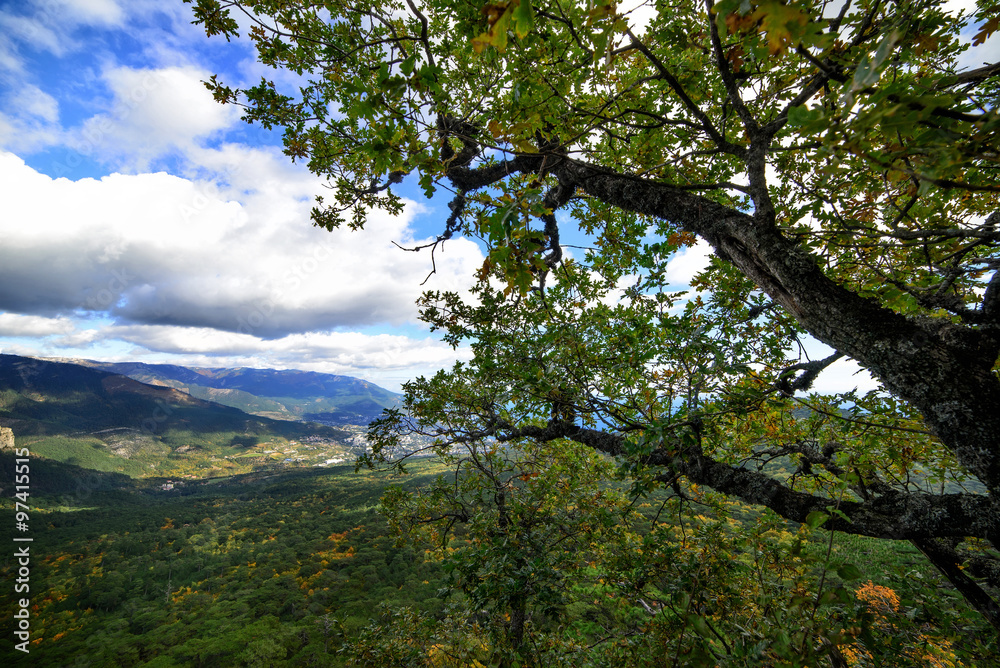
(515, 635)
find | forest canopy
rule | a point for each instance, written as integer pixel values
(840, 160)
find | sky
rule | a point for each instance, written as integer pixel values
(143, 221)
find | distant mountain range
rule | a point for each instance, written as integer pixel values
(158, 419)
(61, 397)
(289, 395)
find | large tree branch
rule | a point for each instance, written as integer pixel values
(788, 383)
(973, 76)
(943, 369)
(948, 561)
(892, 514)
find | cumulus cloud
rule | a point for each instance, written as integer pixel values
(157, 249)
(686, 264)
(154, 112)
(13, 324)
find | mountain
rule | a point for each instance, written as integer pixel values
(285, 394)
(109, 422)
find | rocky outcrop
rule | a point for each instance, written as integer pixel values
(6, 438)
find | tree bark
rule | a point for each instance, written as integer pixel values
(515, 635)
(894, 515)
(947, 561)
(943, 369)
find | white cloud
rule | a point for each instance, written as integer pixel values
(25, 133)
(30, 120)
(843, 375)
(49, 24)
(78, 339)
(155, 112)
(686, 264)
(90, 12)
(340, 350)
(12, 324)
(956, 6)
(35, 31)
(640, 14)
(9, 60)
(36, 102)
(157, 249)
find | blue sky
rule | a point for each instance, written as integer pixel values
(143, 221)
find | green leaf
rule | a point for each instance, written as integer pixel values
(840, 513)
(801, 115)
(783, 24)
(849, 572)
(601, 9)
(408, 65)
(816, 519)
(524, 19)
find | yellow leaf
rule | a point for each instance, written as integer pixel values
(782, 25)
(524, 146)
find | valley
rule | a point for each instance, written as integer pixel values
(172, 531)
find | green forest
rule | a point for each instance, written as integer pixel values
(298, 567)
(610, 421)
(261, 569)
(623, 464)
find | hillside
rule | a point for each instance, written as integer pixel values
(178, 532)
(109, 422)
(296, 566)
(287, 394)
(209, 572)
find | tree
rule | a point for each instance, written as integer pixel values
(533, 516)
(839, 164)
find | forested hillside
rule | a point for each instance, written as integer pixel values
(109, 422)
(299, 568)
(267, 569)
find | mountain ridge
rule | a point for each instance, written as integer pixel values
(105, 421)
(278, 393)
